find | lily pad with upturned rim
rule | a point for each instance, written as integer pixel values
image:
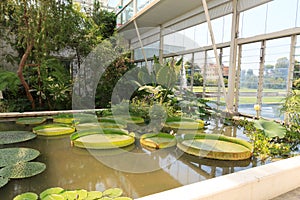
(3, 181)
(10, 137)
(10, 156)
(55, 190)
(216, 147)
(158, 140)
(54, 197)
(27, 196)
(53, 129)
(102, 138)
(22, 170)
(31, 120)
(122, 198)
(92, 195)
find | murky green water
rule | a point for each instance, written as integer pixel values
(74, 168)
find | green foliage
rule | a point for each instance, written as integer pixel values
(264, 146)
(9, 81)
(198, 79)
(109, 79)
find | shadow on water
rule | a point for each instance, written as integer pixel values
(74, 168)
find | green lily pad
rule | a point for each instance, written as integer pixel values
(86, 126)
(22, 170)
(27, 196)
(55, 190)
(10, 156)
(10, 137)
(113, 192)
(186, 125)
(31, 120)
(75, 194)
(64, 118)
(92, 195)
(102, 138)
(54, 197)
(3, 181)
(53, 129)
(125, 118)
(270, 128)
(158, 141)
(216, 147)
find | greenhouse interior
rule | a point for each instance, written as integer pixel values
(149, 99)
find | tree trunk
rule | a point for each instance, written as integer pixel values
(20, 73)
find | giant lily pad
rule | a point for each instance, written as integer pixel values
(216, 147)
(64, 118)
(3, 181)
(22, 170)
(102, 138)
(53, 129)
(123, 118)
(184, 123)
(10, 156)
(54, 197)
(27, 196)
(270, 128)
(31, 120)
(85, 126)
(158, 141)
(122, 198)
(10, 137)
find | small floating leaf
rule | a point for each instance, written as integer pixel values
(55, 190)
(94, 195)
(22, 170)
(31, 120)
(53, 129)
(10, 156)
(3, 181)
(270, 128)
(10, 137)
(27, 196)
(113, 192)
(69, 194)
(54, 197)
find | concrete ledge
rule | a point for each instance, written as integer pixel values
(43, 113)
(259, 183)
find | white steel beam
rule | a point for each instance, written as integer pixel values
(141, 44)
(232, 60)
(212, 37)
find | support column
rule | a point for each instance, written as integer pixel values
(291, 70)
(161, 44)
(204, 74)
(141, 45)
(192, 72)
(238, 77)
(261, 76)
(215, 50)
(232, 60)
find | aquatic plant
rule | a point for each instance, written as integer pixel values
(10, 137)
(58, 193)
(53, 129)
(158, 140)
(31, 120)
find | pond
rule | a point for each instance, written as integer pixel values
(73, 168)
